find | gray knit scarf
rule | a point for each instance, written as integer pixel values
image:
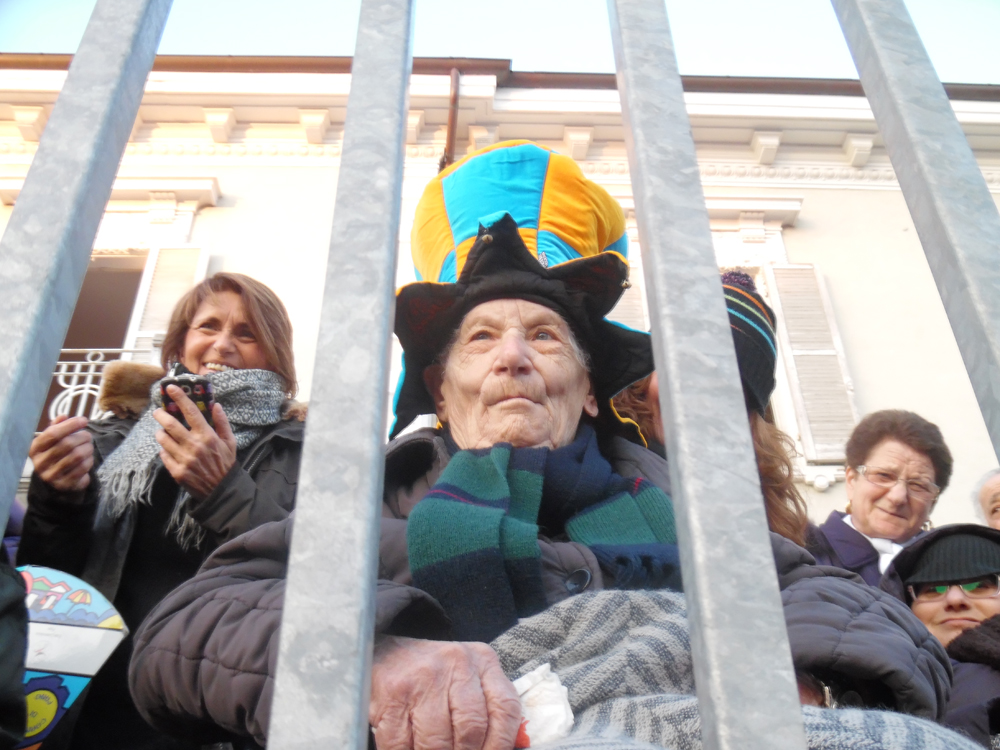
(252, 400)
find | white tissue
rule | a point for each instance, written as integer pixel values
(545, 710)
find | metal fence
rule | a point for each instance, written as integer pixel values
(743, 670)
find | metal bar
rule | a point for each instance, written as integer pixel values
(324, 662)
(46, 248)
(742, 663)
(955, 215)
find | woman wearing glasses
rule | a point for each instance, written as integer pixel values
(897, 466)
(950, 578)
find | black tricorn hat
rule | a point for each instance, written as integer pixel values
(499, 266)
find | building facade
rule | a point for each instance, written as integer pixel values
(232, 165)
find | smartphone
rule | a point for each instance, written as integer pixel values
(196, 388)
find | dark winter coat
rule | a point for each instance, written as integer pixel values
(221, 628)
(13, 644)
(135, 563)
(60, 531)
(974, 705)
(862, 639)
(837, 544)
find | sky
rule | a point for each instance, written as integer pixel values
(771, 38)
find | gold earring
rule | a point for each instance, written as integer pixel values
(848, 508)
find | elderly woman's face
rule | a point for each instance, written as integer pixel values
(220, 339)
(890, 512)
(512, 376)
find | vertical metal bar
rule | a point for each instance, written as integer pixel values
(955, 215)
(46, 247)
(324, 662)
(742, 663)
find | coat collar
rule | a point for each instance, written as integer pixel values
(854, 550)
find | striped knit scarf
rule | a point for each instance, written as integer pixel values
(473, 539)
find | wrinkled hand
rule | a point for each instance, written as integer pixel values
(199, 458)
(434, 695)
(63, 454)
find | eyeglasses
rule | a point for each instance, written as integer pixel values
(980, 588)
(918, 489)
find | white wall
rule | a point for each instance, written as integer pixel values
(899, 345)
(273, 224)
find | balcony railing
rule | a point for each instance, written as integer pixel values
(76, 381)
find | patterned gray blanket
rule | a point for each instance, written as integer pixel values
(625, 658)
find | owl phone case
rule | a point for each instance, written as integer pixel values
(196, 388)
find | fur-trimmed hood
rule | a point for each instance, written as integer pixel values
(125, 391)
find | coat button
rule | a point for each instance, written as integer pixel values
(577, 581)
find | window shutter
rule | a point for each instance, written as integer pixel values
(814, 358)
(169, 273)
(173, 276)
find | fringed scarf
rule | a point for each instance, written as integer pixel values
(473, 539)
(252, 400)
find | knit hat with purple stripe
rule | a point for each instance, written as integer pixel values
(752, 321)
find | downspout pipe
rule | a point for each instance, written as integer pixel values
(449, 144)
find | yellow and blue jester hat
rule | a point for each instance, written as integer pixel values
(560, 214)
(516, 220)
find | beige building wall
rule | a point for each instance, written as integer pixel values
(273, 223)
(900, 349)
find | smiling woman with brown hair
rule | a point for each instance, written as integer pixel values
(134, 503)
(897, 466)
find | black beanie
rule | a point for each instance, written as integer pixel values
(958, 557)
(752, 322)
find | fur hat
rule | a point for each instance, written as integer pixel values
(499, 266)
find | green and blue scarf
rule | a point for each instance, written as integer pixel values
(473, 539)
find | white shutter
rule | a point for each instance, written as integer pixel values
(814, 358)
(170, 272)
(173, 275)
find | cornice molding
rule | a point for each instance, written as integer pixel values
(718, 173)
(221, 122)
(501, 68)
(202, 191)
(611, 173)
(30, 121)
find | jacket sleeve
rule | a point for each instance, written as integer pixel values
(205, 658)
(57, 526)
(13, 637)
(243, 501)
(869, 641)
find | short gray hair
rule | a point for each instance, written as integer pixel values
(979, 488)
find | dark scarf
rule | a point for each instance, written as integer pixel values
(981, 645)
(473, 539)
